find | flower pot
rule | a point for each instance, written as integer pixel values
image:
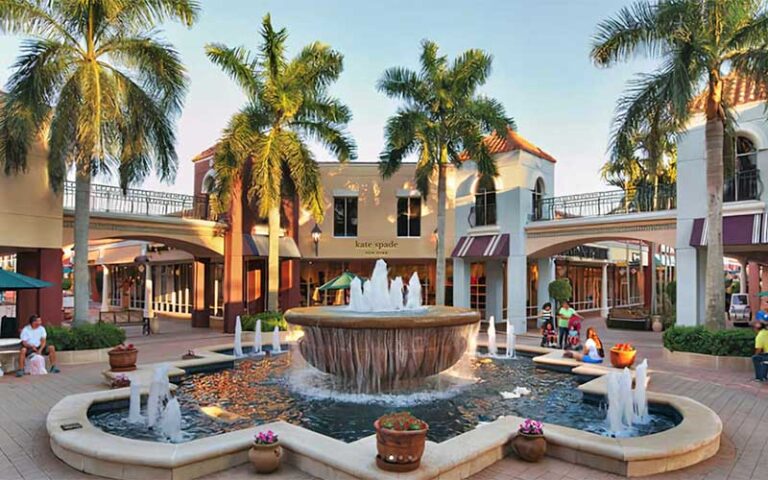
(265, 458)
(122, 360)
(656, 326)
(530, 448)
(399, 451)
(622, 358)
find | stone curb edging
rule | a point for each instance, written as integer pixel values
(715, 362)
(91, 450)
(79, 357)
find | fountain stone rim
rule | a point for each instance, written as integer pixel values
(340, 317)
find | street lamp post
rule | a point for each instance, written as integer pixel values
(316, 232)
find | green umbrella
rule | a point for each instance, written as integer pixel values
(16, 281)
(341, 282)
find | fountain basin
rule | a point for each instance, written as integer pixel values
(379, 351)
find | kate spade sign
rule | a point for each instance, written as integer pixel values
(375, 247)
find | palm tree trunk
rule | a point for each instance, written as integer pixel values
(714, 292)
(441, 206)
(82, 219)
(273, 260)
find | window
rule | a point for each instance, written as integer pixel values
(538, 195)
(345, 216)
(742, 179)
(485, 202)
(408, 217)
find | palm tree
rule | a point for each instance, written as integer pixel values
(442, 121)
(96, 82)
(698, 42)
(288, 104)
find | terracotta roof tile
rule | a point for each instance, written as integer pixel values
(736, 91)
(509, 143)
(205, 154)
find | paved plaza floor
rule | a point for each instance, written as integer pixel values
(742, 405)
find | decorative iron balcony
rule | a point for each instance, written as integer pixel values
(598, 204)
(106, 198)
(743, 185)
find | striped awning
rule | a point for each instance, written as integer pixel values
(749, 229)
(482, 246)
(258, 246)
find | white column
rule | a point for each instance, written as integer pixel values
(494, 279)
(517, 273)
(461, 273)
(604, 292)
(547, 274)
(743, 276)
(687, 269)
(149, 293)
(105, 288)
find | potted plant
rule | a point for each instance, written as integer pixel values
(623, 355)
(400, 440)
(122, 358)
(266, 452)
(529, 443)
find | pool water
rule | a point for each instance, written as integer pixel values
(259, 391)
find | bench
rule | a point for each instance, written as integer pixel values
(9, 354)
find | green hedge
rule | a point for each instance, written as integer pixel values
(268, 321)
(85, 337)
(730, 343)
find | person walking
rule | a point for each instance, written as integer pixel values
(564, 315)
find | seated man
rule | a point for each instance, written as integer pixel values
(761, 351)
(33, 343)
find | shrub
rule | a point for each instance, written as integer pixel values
(401, 421)
(672, 292)
(85, 337)
(268, 321)
(730, 343)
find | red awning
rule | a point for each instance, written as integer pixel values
(482, 246)
(737, 230)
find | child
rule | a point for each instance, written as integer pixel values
(548, 335)
(545, 314)
(574, 333)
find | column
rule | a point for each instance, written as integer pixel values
(517, 273)
(149, 292)
(604, 292)
(201, 292)
(461, 281)
(233, 262)
(494, 278)
(743, 280)
(753, 285)
(105, 288)
(546, 267)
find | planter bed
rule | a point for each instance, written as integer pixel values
(714, 362)
(79, 357)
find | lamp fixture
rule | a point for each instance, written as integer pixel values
(316, 233)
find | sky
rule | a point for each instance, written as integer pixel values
(542, 73)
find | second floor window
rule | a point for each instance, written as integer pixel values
(345, 217)
(485, 203)
(409, 217)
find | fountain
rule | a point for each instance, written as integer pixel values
(510, 340)
(257, 340)
(640, 397)
(614, 415)
(159, 391)
(170, 421)
(238, 346)
(276, 348)
(492, 350)
(134, 409)
(625, 392)
(374, 344)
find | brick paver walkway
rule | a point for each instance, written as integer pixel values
(743, 406)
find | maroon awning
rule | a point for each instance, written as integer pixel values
(482, 246)
(737, 230)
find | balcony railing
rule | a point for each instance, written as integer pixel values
(109, 199)
(598, 204)
(744, 185)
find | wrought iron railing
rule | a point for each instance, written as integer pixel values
(106, 198)
(744, 185)
(598, 204)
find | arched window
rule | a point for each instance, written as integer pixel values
(538, 195)
(742, 179)
(485, 202)
(209, 180)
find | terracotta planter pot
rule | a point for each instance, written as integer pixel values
(265, 458)
(122, 360)
(656, 324)
(621, 359)
(530, 448)
(399, 451)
